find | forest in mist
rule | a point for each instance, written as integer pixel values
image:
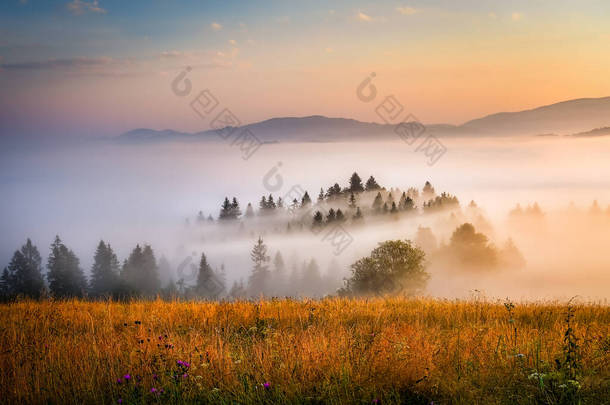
(532, 231)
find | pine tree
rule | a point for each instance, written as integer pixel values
(428, 191)
(331, 216)
(66, 278)
(378, 202)
(279, 275)
(207, 285)
(306, 200)
(271, 203)
(333, 192)
(259, 279)
(5, 285)
(140, 271)
(339, 216)
(24, 273)
(358, 215)
(200, 217)
(311, 282)
(385, 208)
(394, 209)
(235, 210)
(371, 184)
(249, 211)
(280, 203)
(321, 195)
(318, 219)
(105, 271)
(352, 200)
(355, 184)
(226, 210)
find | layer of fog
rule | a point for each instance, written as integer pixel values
(128, 194)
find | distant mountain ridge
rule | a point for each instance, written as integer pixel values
(573, 116)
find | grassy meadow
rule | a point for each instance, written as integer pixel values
(330, 351)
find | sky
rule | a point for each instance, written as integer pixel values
(103, 67)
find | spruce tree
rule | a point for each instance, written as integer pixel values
(235, 210)
(306, 200)
(321, 195)
(339, 216)
(378, 202)
(249, 211)
(358, 215)
(318, 219)
(331, 216)
(226, 210)
(140, 271)
(24, 273)
(66, 278)
(371, 184)
(259, 279)
(355, 183)
(105, 271)
(352, 200)
(207, 283)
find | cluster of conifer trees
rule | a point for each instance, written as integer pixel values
(347, 203)
(138, 276)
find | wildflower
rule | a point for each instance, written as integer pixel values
(153, 390)
(127, 377)
(155, 377)
(375, 401)
(185, 375)
(267, 385)
(120, 401)
(118, 381)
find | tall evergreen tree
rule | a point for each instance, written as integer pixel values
(105, 271)
(226, 210)
(66, 278)
(321, 195)
(279, 275)
(331, 216)
(352, 200)
(249, 211)
(358, 215)
(235, 210)
(339, 215)
(140, 271)
(23, 276)
(371, 184)
(318, 219)
(208, 285)
(378, 202)
(306, 200)
(259, 279)
(355, 183)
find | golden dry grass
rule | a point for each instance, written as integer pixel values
(327, 351)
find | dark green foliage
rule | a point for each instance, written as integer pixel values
(355, 183)
(105, 272)
(140, 272)
(259, 278)
(23, 276)
(472, 248)
(394, 267)
(66, 278)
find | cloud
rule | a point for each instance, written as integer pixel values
(233, 42)
(216, 26)
(363, 17)
(78, 7)
(406, 10)
(516, 16)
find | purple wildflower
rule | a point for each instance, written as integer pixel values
(118, 381)
(267, 385)
(127, 377)
(153, 390)
(155, 377)
(120, 401)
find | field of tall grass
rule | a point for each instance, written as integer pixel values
(333, 351)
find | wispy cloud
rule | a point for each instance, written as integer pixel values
(216, 26)
(406, 10)
(78, 7)
(363, 17)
